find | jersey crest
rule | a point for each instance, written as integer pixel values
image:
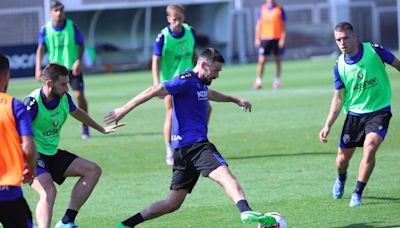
(374, 45)
(30, 102)
(185, 75)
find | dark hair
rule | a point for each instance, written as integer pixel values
(53, 71)
(4, 63)
(56, 4)
(344, 26)
(174, 7)
(212, 55)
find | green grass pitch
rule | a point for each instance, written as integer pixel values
(273, 151)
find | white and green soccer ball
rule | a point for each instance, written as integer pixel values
(280, 221)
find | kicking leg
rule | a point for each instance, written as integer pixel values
(170, 204)
(223, 176)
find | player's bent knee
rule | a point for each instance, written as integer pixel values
(49, 193)
(96, 170)
(173, 207)
(93, 170)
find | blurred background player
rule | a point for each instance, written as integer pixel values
(270, 38)
(194, 154)
(49, 107)
(65, 45)
(17, 155)
(173, 53)
(362, 88)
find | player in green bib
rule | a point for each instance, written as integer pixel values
(49, 108)
(363, 91)
(64, 43)
(174, 52)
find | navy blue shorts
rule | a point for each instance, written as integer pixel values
(76, 81)
(15, 213)
(193, 160)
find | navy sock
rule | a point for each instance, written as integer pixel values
(360, 187)
(69, 216)
(342, 176)
(134, 220)
(243, 205)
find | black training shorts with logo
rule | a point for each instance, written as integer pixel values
(270, 46)
(193, 160)
(355, 128)
(56, 164)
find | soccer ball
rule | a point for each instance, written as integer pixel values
(280, 221)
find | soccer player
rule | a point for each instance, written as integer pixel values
(17, 155)
(65, 45)
(49, 107)
(362, 88)
(194, 154)
(270, 38)
(173, 53)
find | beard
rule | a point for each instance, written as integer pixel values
(54, 93)
(205, 81)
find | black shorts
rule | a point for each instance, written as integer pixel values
(55, 164)
(268, 46)
(191, 161)
(76, 81)
(15, 214)
(355, 128)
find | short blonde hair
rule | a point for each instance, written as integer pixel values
(174, 8)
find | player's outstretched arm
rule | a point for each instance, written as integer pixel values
(396, 64)
(336, 106)
(220, 97)
(155, 69)
(83, 117)
(118, 113)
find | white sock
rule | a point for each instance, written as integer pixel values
(277, 79)
(258, 80)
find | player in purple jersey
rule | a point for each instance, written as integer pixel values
(362, 88)
(193, 154)
(59, 24)
(17, 155)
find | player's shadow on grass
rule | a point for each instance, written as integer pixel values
(116, 134)
(280, 155)
(367, 225)
(381, 200)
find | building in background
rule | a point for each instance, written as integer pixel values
(119, 34)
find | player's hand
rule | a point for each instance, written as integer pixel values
(28, 174)
(114, 116)
(257, 43)
(38, 73)
(281, 43)
(323, 134)
(245, 104)
(112, 128)
(76, 68)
